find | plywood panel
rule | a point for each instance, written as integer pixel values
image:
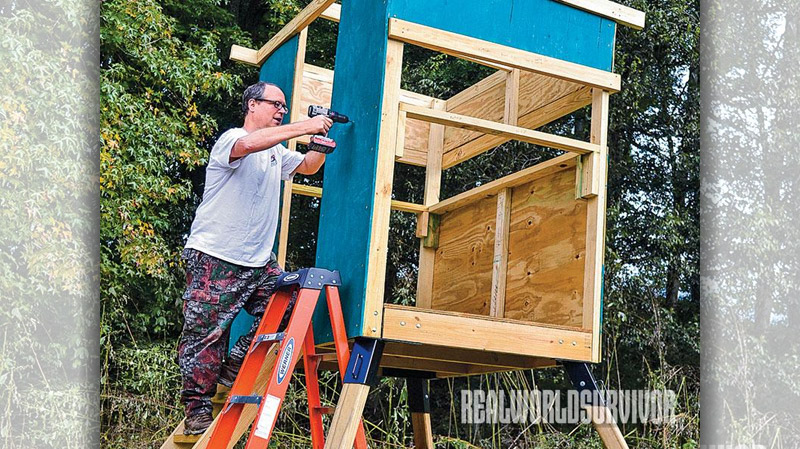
(462, 278)
(547, 251)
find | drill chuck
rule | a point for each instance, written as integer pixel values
(314, 110)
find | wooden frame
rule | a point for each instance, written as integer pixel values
(484, 333)
(463, 46)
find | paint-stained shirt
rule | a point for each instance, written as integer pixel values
(238, 217)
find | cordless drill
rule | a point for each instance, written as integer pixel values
(320, 143)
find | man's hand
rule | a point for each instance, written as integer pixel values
(319, 124)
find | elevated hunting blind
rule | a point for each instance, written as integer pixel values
(510, 272)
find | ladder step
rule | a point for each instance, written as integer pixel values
(326, 357)
(186, 439)
(326, 410)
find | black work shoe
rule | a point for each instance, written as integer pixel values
(229, 371)
(197, 424)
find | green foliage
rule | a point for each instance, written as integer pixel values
(47, 189)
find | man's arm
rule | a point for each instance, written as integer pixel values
(312, 161)
(265, 138)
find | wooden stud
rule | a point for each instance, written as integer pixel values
(422, 225)
(590, 178)
(296, 113)
(442, 328)
(595, 223)
(621, 14)
(433, 183)
(384, 173)
(539, 170)
(348, 413)
(511, 110)
(487, 126)
(459, 45)
(500, 261)
(400, 139)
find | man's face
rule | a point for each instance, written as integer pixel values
(264, 112)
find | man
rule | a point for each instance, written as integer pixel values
(229, 262)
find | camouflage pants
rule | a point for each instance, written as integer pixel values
(215, 292)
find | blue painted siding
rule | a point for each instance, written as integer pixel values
(546, 27)
(347, 202)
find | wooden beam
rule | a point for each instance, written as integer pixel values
(490, 127)
(402, 206)
(506, 362)
(301, 21)
(497, 303)
(459, 148)
(459, 45)
(382, 200)
(539, 170)
(332, 13)
(596, 224)
(244, 54)
(621, 14)
(485, 333)
(296, 113)
(433, 183)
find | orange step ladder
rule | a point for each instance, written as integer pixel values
(262, 357)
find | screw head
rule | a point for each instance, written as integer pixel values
(418, 326)
(582, 383)
(561, 342)
(574, 343)
(374, 330)
(375, 312)
(402, 323)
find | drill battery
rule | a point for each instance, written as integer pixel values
(322, 144)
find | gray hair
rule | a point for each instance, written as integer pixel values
(254, 92)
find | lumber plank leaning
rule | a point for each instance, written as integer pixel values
(490, 127)
(463, 46)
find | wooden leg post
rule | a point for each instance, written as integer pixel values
(419, 404)
(601, 417)
(362, 372)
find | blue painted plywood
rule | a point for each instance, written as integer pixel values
(546, 27)
(347, 202)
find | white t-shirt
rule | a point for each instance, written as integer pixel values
(238, 217)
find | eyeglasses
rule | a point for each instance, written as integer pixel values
(277, 104)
